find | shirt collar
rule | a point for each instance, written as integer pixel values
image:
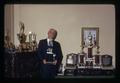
(49, 40)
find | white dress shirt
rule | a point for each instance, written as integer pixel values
(49, 42)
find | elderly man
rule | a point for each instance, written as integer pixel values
(50, 55)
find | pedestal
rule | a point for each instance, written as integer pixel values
(97, 59)
(89, 52)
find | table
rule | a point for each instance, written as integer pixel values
(21, 65)
(26, 65)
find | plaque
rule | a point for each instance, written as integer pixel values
(106, 60)
(50, 56)
(71, 60)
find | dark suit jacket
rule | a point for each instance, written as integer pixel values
(42, 47)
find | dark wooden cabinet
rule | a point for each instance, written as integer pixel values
(26, 65)
(22, 65)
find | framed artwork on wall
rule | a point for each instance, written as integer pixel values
(90, 36)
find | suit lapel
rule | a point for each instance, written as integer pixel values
(46, 42)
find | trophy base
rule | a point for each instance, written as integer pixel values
(69, 72)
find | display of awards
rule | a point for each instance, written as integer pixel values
(26, 46)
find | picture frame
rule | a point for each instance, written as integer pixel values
(90, 36)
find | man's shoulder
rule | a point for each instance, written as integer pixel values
(42, 40)
(57, 42)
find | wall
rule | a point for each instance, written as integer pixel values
(68, 21)
(9, 21)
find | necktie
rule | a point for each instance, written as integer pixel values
(50, 43)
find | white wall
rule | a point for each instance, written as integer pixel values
(9, 21)
(68, 21)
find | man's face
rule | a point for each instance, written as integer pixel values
(52, 34)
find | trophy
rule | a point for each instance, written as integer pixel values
(50, 57)
(71, 60)
(81, 60)
(32, 41)
(61, 70)
(71, 63)
(22, 37)
(54, 55)
(49, 51)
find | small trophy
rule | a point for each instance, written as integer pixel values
(49, 51)
(32, 41)
(70, 60)
(54, 55)
(50, 55)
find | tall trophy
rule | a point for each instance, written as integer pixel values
(22, 37)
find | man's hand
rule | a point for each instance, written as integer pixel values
(44, 61)
(55, 62)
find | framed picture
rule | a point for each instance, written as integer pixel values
(90, 36)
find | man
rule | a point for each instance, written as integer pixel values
(50, 55)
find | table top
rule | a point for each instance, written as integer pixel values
(103, 76)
